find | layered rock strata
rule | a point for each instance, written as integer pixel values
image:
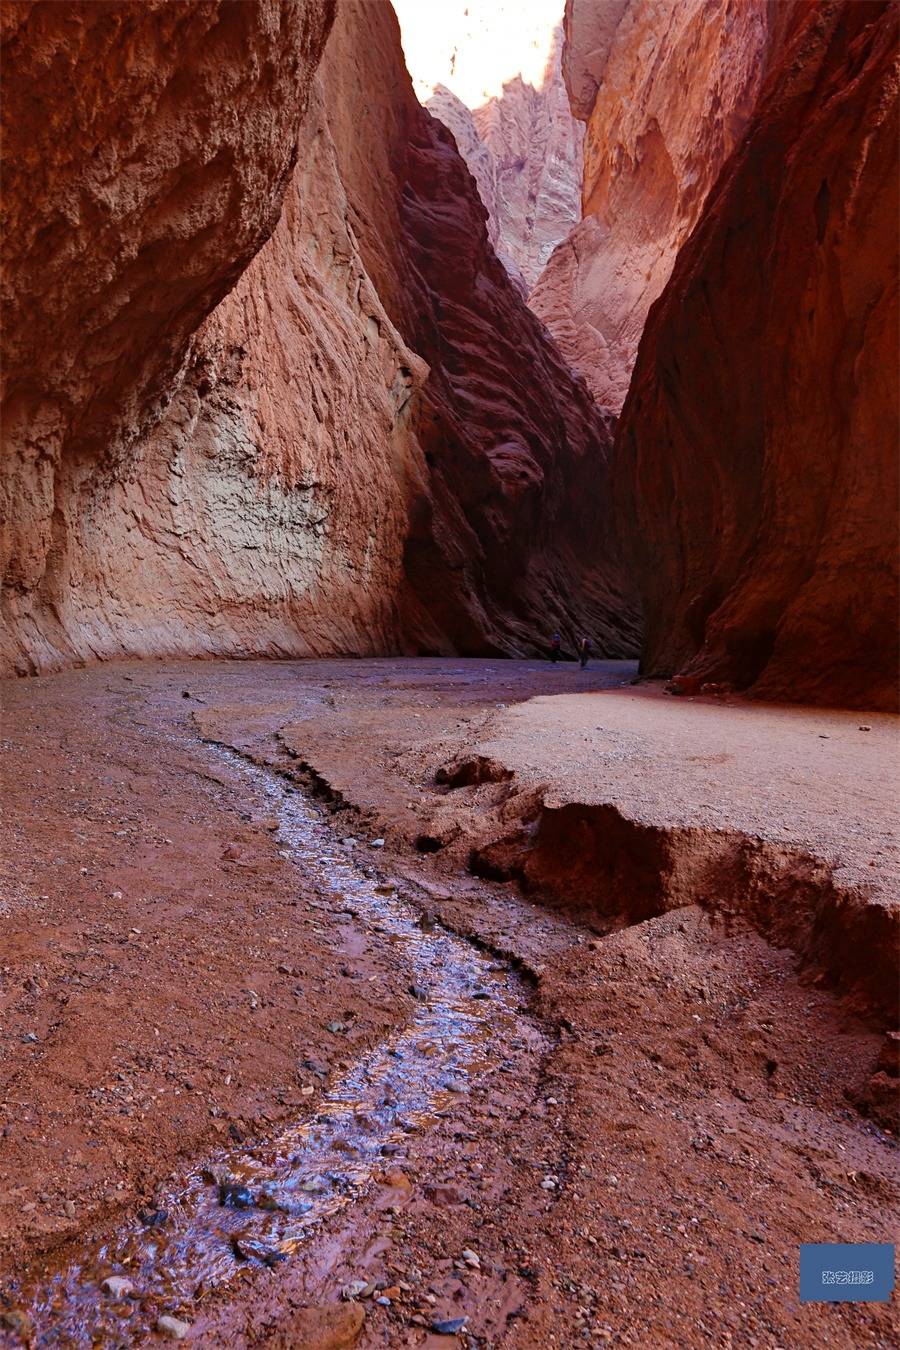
(147, 149)
(757, 456)
(368, 445)
(665, 91)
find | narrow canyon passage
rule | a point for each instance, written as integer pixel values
(449, 663)
(390, 1063)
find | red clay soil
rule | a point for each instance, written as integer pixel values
(678, 1103)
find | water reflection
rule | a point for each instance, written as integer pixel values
(260, 1203)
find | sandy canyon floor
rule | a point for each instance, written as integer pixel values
(379, 1003)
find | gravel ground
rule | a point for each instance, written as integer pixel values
(671, 1115)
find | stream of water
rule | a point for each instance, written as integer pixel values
(263, 1201)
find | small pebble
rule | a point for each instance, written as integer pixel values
(117, 1286)
(172, 1327)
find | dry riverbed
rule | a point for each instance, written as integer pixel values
(678, 1081)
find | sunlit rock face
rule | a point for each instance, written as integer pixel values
(665, 91)
(491, 72)
(147, 149)
(369, 444)
(757, 451)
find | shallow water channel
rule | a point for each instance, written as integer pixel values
(261, 1202)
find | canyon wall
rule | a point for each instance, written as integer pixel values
(757, 451)
(147, 149)
(523, 148)
(665, 91)
(367, 445)
(491, 72)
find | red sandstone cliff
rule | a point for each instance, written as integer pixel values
(509, 532)
(146, 152)
(368, 445)
(665, 90)
(757, 454)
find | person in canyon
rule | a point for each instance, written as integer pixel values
(555, 648)
(584, 652)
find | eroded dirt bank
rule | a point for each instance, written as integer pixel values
(667, 1107)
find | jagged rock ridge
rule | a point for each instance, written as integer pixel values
(524, 150)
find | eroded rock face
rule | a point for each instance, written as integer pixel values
(368, 445)
(508, 527)
(524, 151)
(147, 149)
(757, 465)
(665, 90)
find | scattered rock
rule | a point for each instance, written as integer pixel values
(117, 1286)
(234, 1195)
(247, 1249)
(153, 1218)
(357, 1289)
(449, 1326)
(172, 1327)
(314, 1186)
(472, 1259)
(376, 843)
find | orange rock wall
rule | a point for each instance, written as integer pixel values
(147, 149)
(665, 90)
(757, 451)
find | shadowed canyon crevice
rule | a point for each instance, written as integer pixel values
(665, 91)
(757, 452)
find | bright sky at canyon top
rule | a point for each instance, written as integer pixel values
(475, 46)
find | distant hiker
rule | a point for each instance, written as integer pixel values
(584, 651)
(555, 648)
